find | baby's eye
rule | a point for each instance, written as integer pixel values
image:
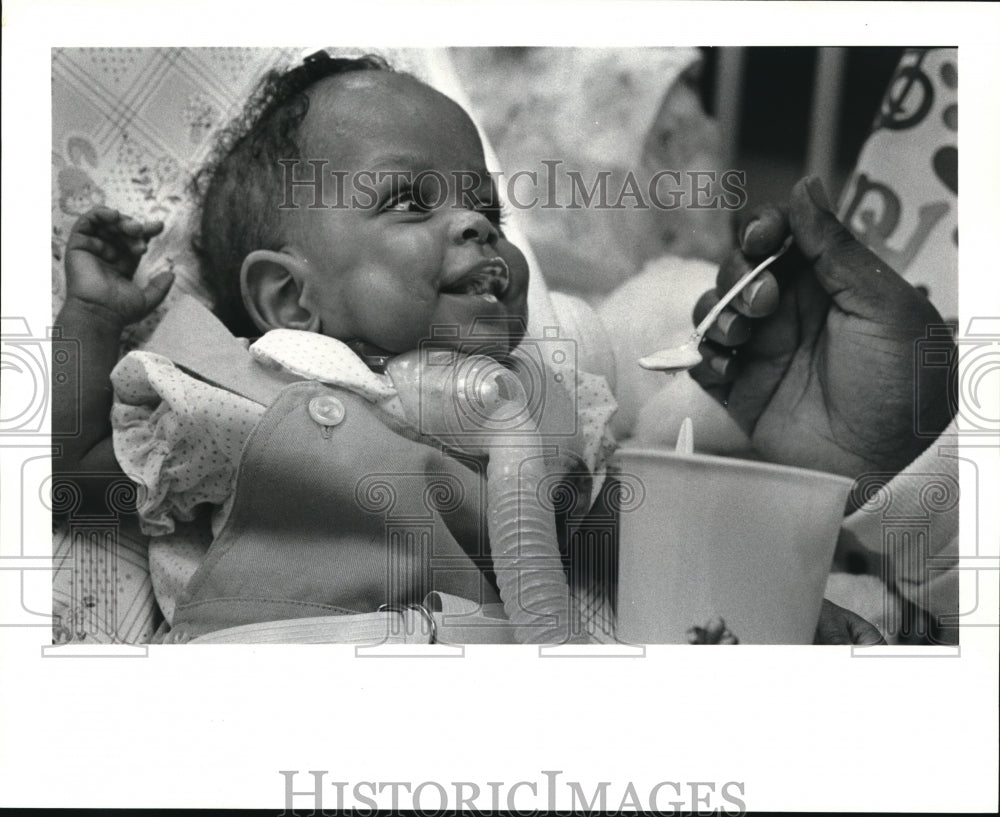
(403, 202)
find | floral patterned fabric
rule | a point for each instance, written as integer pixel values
(129, 127)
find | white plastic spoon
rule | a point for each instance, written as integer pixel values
(683, 357)
(685, 437)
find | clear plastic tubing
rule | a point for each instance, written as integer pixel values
(477, 406)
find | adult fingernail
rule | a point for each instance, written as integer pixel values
(725, 322)
(818, 194)
(748, 230)
(751, 292)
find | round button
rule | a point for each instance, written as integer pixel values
(327, 410)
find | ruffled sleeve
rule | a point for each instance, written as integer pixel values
(177, 438)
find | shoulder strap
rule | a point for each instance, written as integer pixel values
(196, 341)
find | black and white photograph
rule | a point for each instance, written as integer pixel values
(441, 419)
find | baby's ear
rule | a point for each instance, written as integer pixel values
(271, 284)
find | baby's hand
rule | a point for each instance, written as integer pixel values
(102, 254)
(715, 632)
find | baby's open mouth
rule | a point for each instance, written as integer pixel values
(489, 278)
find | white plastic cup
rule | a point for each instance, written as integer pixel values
(749, 541)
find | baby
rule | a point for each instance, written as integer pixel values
(411, 252)
(323, 496)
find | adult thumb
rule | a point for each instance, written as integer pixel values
(859, 281)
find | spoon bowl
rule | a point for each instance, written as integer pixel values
(686, 355)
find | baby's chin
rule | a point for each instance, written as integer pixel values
(493, 337)
(492, 328)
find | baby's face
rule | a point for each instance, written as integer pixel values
(397, 263)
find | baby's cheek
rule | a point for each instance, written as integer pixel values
(394, 317)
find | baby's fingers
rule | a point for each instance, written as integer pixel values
(95, 219)
(141, 229)
(139, 233)
(134, 234)
(130, 226)
(151, 229)
(95, 246)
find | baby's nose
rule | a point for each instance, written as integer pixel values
(470, 225)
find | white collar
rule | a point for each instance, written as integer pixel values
(312, 356)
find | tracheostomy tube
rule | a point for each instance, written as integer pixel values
(474, 404)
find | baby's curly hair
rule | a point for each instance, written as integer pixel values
(239, 187)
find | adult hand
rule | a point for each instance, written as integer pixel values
(816, 362)
(840, 626)
(714, 632)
